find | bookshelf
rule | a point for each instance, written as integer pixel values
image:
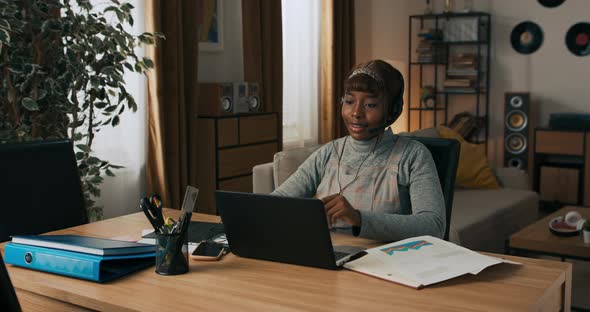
(449, 63)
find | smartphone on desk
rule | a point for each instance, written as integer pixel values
(208, 251)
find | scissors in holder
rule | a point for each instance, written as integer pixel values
(153, 211)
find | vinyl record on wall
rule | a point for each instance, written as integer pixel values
(577, 39)
(551, 3)
(526, 37)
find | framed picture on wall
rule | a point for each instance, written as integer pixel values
(211, 32)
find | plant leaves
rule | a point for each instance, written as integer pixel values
(30, 104)
(83, 147)
(92, 160)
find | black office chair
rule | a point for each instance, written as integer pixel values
(8, 299)
(445, 153)
(40, 188)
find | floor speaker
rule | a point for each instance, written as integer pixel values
(518, 126)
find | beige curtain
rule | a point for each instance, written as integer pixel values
(263, 51)
(172, 98)
(337, 59)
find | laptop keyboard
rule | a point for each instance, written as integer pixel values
(339, 255)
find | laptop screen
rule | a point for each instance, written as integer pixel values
(40, 188)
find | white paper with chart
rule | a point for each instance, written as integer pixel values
(421, 261)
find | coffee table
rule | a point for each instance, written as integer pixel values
(537, 238)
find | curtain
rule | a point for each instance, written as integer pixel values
(172, 99)
(263, 52)
(301, 72)
(337, 59)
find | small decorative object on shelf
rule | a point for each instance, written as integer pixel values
(428, 9)
(467, 6)
(448, 6)
(427, 95)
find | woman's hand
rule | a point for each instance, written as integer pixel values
(337, 207)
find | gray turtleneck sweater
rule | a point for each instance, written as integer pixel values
(417, 172)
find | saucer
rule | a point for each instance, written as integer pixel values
(558, 227)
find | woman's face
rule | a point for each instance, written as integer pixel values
(364, 114)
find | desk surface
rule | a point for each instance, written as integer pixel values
(238, 284)
(537, 237)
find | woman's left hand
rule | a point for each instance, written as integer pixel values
(338, 207)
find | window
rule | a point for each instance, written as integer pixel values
(301, 72)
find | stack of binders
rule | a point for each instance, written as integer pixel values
(89, 258)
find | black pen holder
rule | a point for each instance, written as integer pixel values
(172, 253)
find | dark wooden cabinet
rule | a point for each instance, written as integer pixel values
(562, 166)
(229, 146)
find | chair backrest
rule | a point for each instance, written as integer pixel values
(8, 299)
(40, 188)
(445, 153)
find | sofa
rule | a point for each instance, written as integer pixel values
(482, 219)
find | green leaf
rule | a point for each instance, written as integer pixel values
(42, 93)
(30, 104)
(115, 121)
(107, 70)
(94, 171)
(148, 62)
(96, 179)
(109, 173)
(80, 155)
(92, 160)
(100, 105)
(83, 147)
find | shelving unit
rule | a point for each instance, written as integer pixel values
(444, 49)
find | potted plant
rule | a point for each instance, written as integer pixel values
(61, 75)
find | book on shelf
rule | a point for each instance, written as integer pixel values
(420, 261)
(431, 33)
(464, 83)
(84, 244)
(465, 90)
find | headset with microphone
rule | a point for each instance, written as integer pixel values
(394, 111)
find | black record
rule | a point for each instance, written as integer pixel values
(577, 39)
(551, 3)
(526, 37)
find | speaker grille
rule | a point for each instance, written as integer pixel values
(517, 126)
(516, 120)
(516, 143)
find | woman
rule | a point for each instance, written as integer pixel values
(357, 176)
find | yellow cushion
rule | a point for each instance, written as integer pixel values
(473, 170)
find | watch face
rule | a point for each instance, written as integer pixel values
(225, 104)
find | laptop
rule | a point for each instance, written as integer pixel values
(8, 299)
(281, 229)
(40, 188)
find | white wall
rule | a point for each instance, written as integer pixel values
(381, 32)
(555, 77)
(228, 64)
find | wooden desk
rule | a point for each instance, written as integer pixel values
(240, 284)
